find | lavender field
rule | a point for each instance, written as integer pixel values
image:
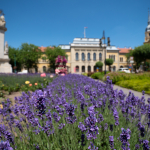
(75, 112)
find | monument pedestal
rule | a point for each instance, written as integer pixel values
(5, 67)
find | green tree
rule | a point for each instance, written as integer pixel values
(109, 62)
(14, 53)
(99, 64)
(52, 54)
(141, 53)
(29, 55)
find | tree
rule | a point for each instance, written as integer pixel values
(99, 64)
(141, 53)
(52, 54)
(29, 55)
(109, 62)
(14, 55)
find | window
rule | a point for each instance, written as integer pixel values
(89, 68)
(83, 57)
(77, 68)
(89, 57)
(94, 56)
(94, 68)
(83, 68)
(100, 56)
(112, 57)
(114, 68)
(36, 69)
(149, 34)
(44, 69)
(77, 58)
(121, 59)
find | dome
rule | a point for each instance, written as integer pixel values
(148, 28)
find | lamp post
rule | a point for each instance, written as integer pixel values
(15, 63)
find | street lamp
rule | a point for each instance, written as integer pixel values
(14, 63)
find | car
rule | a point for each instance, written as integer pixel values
(126, 70)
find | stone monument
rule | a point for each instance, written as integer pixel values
(5, 67)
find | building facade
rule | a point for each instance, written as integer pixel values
(123, 58)
(83, 54)
(147, 31)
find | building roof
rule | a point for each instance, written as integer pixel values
(44, 48)
(124, 50)
(112, 48)
(64, 46)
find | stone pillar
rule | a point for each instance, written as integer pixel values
(2, 32)
(92, 68)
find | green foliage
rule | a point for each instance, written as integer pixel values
(99, 64)
(84, 74)
(29, 55)
(14, 54)
(17, 83)
(109, 62)
(52, 54)
(141, 53)
(99, 75)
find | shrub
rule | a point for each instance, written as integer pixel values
(84, 74)
(90, 73)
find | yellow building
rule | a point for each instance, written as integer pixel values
(43, 63)
(122, 56)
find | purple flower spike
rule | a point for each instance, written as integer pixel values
(111, 142)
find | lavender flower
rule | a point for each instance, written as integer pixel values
(111, 142)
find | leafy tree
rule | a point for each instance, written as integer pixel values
(29, 55)
(141, 53)
(99, 64)
(14, 54)
(109, 62)
(52, 54)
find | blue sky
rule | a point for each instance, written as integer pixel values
(54, 22)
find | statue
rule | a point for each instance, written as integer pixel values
(2, 19)
(108, 41)
(6, 47)
(100, 42)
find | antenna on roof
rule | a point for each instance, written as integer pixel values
(84, 32)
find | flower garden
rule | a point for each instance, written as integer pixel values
(74, 112)
(23, 82)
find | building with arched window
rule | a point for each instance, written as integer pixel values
(94, 56)
(85, 52)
